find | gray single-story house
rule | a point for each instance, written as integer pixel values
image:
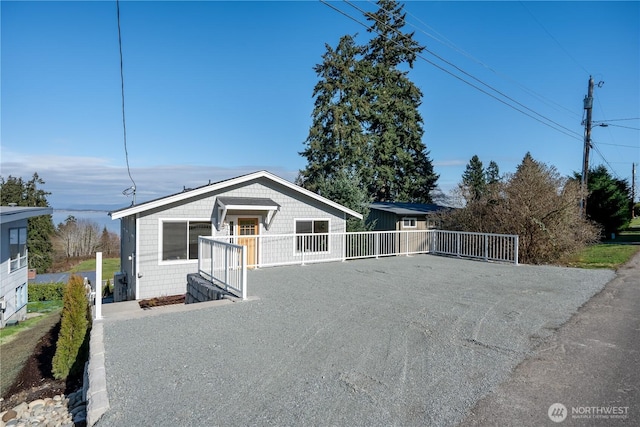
(387, 216)
(14, 260)
(159, 238)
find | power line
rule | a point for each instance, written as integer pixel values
(619, 145)
(553, 38)
(570, 132)
(132, 189)
(453, 46)
(597, 150)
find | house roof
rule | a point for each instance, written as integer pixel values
(401, 208)
(221, 185)
(18, 213)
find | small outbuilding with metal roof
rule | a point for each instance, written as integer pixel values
(388, 216)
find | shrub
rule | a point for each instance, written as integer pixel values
(74, 328)
(107, 290)
(46, 292)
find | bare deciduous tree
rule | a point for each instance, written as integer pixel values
(535, 203)
(78, 237)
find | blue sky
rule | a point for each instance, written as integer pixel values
(218, 89)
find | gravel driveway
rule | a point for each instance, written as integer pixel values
(394, 341)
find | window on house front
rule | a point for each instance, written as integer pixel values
(314, 235)
(180, 239)
(409, 222)
(18, 248)
(21, 296)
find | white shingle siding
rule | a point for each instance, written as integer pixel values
(159, 278)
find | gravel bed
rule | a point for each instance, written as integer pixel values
(394, 341)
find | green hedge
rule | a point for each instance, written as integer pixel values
(46, 292)
(73, 339)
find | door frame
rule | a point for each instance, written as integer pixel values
(253, 256)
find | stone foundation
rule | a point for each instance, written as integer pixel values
(200, 290)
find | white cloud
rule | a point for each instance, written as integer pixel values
(95, 183)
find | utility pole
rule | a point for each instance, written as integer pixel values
(588, 106)
(633, 190)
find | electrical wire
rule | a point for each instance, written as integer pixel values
(453, 46)
(132, 189)
(566, 131)
(554, 39)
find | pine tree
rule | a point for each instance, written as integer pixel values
(335, 142)
(609, 200)
(401, 169)
(492, 173)
(474, 181)
(366, 120)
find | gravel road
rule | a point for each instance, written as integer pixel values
(395, 341)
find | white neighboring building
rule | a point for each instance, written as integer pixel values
(14, 260)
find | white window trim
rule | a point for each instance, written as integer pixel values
(297, 253)
(20, 262)
(409, 218)
(161, 221)
(234, 239)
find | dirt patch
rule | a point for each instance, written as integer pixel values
(160, 301)
(35, 379)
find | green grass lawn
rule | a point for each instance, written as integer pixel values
(604, 255)
(109, 267)
(43, 306)
(9, 332)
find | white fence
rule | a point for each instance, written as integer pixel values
(224, 264)
(221, 258)
(288, 249)
(489, 247)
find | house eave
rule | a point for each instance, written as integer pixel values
(225, 184)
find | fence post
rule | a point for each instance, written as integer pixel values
(458, 244)
(244, 273)
(517, 243)
(226, 266)
(486, 247)
(98, 298)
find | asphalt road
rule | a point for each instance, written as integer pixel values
(396, 341)
(591, 367)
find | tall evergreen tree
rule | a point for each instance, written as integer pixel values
(366, 119)
(609, 200)
(40, 228)
(401, 169)
(474, 179)
(336, 141)
(492, 173)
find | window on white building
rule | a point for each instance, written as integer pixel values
(21, 296)
(314, 235)
(180, 239)
(17, 248)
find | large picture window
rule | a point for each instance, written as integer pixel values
(180, 239)
(18, 248)
(314, 235)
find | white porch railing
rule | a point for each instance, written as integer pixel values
(490, 247)
(224, 264)
(288, 249)
(224, 260)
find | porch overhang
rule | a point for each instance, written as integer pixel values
(246, 204)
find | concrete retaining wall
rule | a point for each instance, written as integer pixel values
(200, 290)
